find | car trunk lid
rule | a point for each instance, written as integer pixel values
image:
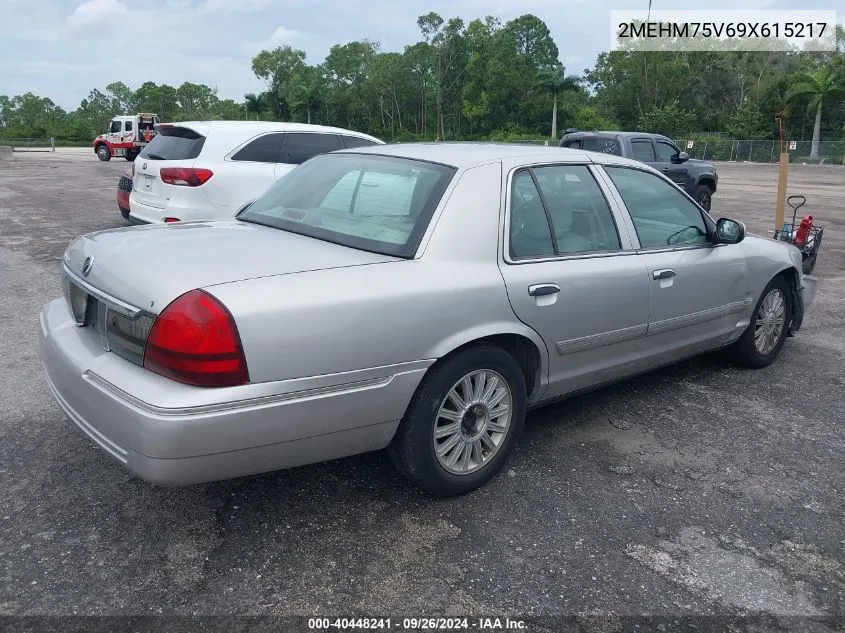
(117, 281)
(151, 265)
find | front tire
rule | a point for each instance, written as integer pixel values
(103, 153)
(463, 421)
(703, 195)
(761, 343)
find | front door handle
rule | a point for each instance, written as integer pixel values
(541, 290)
(666, 273)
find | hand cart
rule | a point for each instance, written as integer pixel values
(813, 240)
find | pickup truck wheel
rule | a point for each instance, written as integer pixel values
(703, 195)
(761, 343)
(103, 153)
(462, 423)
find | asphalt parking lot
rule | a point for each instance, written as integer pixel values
(701, 490)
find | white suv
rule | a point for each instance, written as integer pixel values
(205, 170)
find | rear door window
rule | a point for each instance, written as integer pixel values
(569, 214)
(299, 147)
(573, 144)
(356, 141)
(264, 149)
(602, 144)
(174, 143)
(128, 126)
(642, 149)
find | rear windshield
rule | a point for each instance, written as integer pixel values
(174, 143)
(375, 203)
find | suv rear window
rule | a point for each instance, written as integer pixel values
(174, 143)
(375, 203)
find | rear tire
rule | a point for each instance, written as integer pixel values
(703, 195)
(761, 343)
(131, 155)
(480, 435)
(103, 153)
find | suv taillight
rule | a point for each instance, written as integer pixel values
(185, 176)
(195, 341)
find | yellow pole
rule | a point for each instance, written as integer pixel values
(783, 175)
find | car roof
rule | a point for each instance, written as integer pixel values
(258, 127)
(468, 154)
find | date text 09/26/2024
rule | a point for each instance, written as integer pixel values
(416, 624)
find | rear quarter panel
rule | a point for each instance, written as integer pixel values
(346, 319)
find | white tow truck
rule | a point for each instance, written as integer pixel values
(127, 136)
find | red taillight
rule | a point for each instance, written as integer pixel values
(185, 176)
(194, 340)
(168, 220)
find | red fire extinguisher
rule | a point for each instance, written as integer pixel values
(803, 231)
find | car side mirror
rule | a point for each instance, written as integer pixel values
(729, 231)
(680, 158)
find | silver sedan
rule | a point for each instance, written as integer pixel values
(417, 297)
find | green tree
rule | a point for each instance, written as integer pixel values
(669, 120)
(534, 41)
(122, 97)
(448, 44)
(197, 101)
(277, 67)
(748, 122)
(823, 84)
(555, 80)
(254, 104)
(161, 99)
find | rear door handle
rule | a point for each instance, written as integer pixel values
(541, 290)
(666, 273)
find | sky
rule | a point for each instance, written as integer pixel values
(62, 49)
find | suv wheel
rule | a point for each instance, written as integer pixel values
(703, 195)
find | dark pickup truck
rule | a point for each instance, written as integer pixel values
(697, 177)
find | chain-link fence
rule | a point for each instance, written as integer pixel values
(762, 151)
(30, 144)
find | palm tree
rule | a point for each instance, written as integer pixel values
(820, 85)
(254, 104)
(557, 81)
